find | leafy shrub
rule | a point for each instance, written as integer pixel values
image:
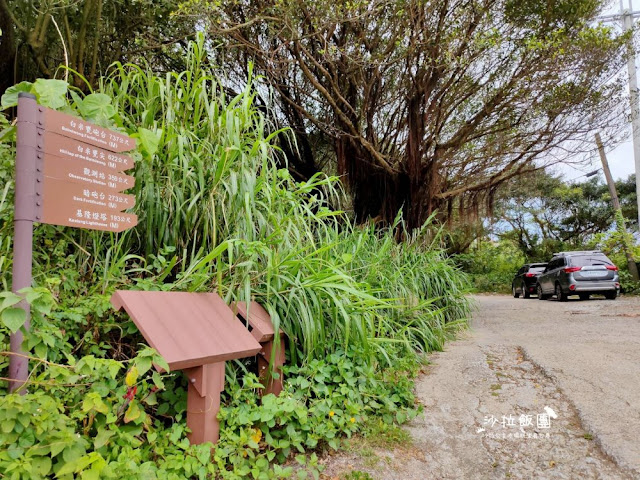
(492, 265)
(216, 214)
(89, 418)
(322, 402)
(614, 243)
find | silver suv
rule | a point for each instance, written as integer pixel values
(580, 273)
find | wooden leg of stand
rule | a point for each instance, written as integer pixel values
(203, 402)
(271, 385)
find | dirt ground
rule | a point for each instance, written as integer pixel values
(536, 389)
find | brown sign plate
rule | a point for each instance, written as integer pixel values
(88, 174)
(80, 206)
(92, 218)
(187, 329)
(60, 146)
(58, 193)
(78, 129)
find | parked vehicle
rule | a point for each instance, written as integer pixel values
(582, 273)
(525, 281)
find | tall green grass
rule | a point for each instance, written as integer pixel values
(217, 214)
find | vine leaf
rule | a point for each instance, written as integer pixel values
(13, 318)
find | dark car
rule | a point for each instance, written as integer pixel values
(525, 281)
(582, 273)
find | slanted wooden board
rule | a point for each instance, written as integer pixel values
(194, 332)
(187, 329)
(258, 318)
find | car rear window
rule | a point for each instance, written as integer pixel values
(537, 269)
(587, 260)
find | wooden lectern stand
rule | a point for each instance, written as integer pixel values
(197, 333)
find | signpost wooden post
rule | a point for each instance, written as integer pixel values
(68, 172)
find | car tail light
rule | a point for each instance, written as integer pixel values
(530, 275)
(572, 269)
(572, 287)
(612, 267)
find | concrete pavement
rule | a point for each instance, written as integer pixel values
(535, 390)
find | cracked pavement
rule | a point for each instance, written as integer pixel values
(485, 397)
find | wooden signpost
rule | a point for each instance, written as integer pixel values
(68, 172)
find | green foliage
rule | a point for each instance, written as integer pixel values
(83, 419)
(135, 30)
(358, 475)
(322, 402)
(110, 423)
(616, 243)
(492, 265)
(216, 214)
(543, 15)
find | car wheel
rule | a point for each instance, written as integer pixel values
(585, 296)
(515, 292)
(540, 294)
(610, 295)
(560, 294)
(525, 291)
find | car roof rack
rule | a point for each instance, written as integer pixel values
(576, 252)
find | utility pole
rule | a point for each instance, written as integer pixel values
(631, 264)
(627, 25)
(626, 17)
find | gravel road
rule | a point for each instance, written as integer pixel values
(536, 389)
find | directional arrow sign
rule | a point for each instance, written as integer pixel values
(76, 205)
(91, 217)
(85, 173)
(60, 146)
(78, 129)
(58, 192)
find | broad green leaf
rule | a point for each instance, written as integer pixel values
(97, 105)
(94, 402)
(51, 92)
(162, 363)
(10, 299)
(102, 437)
(41, 465)
(67, 468)
(31, 295)
(73, 452)
(132, 376)
(114, 368)
(143, 365)
(132, 413)
(10, 96)
(14, 451)
(149, 141)
(7, 425)
(13, 318)
(157, 380)
(90, 475)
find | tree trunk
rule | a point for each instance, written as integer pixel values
(7, 51)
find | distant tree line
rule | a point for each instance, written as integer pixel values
(540, 213)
